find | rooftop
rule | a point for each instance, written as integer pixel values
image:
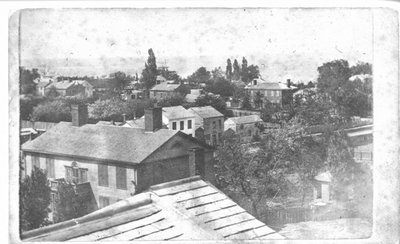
(99, 142)
(62, 85)
(187, 209)
(206, 112)
(269, 86)
(246, 119)
(165, 87)
(177, 112)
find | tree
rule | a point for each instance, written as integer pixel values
(244, 71)
(258, 100)
(217, 73)
(220, 86)
(111, 109)
(211, 100)
(52, 111)
(228, 71)
(120, 79)
(34, 199)
(52, 92)
(236, 70)
(26, 78)
(149, 74)
(246, 102)
(201, 75)
(27, 104)
(69, 204)
(361, 68)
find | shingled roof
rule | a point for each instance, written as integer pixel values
(99, 142)
(187, 209)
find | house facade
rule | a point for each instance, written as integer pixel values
(361, 141)
(177, 118)
(212, 123)
(262, 92)
(117, 161)
(246, 127)
(71, 88)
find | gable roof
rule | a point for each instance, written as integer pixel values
(165, 87)
(99, 142)
(102, 83)
(187, 209)
(177, 112)
(246, 119)
(62, 85)
(206, 112)
(269, 86)
(43, 83)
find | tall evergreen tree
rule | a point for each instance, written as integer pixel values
(34, 197)
(228, 69)
(149, 74)
(243, 73)
(236, 70)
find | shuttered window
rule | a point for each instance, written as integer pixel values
(121, 178)
(182, 123)
(50, 167)
(35, 162)
(174, 125)
(189, 124)
(103, 175)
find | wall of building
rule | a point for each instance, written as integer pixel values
(213, 127)
(159, 95)
(273, 96)
(111, 191)
(185, 123)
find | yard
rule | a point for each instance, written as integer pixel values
(329, 229)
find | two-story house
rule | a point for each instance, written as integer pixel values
(246, 126)
(117, 161)
(71, 88)
(212, 123)
(164, 89)
(177, 118)
(262, 92)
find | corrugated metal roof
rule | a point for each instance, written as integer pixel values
(188, 209)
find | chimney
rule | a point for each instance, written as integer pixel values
(288, 83)
(254, 82)
(152, 119)
(124, 118)
(79, 114)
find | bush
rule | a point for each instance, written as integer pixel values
(52, 111)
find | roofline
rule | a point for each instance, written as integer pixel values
(196, 140)
(81, 157)
(174, 183)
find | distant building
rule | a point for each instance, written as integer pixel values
(177, 118)
(164, 88)
(321, 189)
(71, 88)
(117, 161)
(41, 85)
(187, 209)
(361, 141)
(212, 123)
(272, 92)
(246, 126)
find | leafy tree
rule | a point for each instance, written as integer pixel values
(69, 204)
(200, 76)
(135, 108)
(361, 68)
(26, 105)
(111, 109)
(228, 69)
(246, 102)
(211, 100)
(52, 92)
(252, 72)
(236, 70)
(52, 111)
(121, 80)
(34, 196)
(220, 86)
(149, 74)
(258, 100)
(244, 71)
(217, 73)
(26, 78)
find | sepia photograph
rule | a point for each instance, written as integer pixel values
(196, 124)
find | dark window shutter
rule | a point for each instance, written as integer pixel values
(121, 178)
(103, 175)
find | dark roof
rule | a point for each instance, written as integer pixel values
(206, 112)
(187, 209)
(165, 87)
(100, 142)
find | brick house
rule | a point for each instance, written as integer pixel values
(246, 126)
(211, 121)
(272, 92)
(117, 161)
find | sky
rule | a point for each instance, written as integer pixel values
(284, 43)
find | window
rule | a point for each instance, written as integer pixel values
(50, 167)
(241, 127)
(182, 125)
(121, 178)
(319, 192)
(75, 174)
(189, 126)
(103, 174)
(214, 125)
(35, 162)
(174, 125)
(220, 124)
(103, 201)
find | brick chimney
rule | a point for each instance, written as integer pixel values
(288, 83)
(152, 119)
(79, 114)
(196, 162)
